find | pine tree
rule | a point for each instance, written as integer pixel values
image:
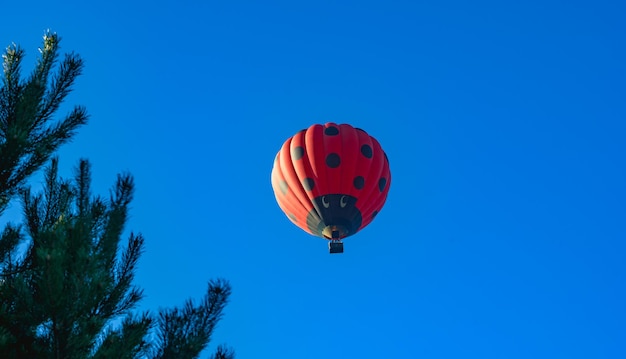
(66, 273)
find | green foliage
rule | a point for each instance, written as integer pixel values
(61, 297)
(66, 273)
(28, 135)
(183, 333)
(61, 294)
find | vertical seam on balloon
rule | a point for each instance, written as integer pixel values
(300, 180)
(369, 190)
(364, 194)
(332, 180)
(308, 169)
(286, 203)
(343, 165)
(350, 172)
(385, 165)
(311, 145)
(289, 162)
(378, 201)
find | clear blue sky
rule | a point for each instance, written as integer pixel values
(505, 123)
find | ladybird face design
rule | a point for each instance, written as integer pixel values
(334, 213)
(331, 180)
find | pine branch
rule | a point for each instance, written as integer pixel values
(124, 190)
(10, 238)
(83, 183)
(31, 209)
(215, 301)
(61, 86)
(184, 333)
(126, 342)
(47, 59)
(44, 143)
(223, 352)
(122, 295)
(11, 88)
(11, 62)
(51, 191)
(28, 137)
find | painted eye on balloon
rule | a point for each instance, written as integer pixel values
(343, 201)
(325, 202)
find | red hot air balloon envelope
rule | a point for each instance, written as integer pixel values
(331, 180)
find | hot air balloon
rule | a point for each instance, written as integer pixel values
(331, 181)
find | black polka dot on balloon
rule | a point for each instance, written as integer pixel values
(381, 183)
(331, 131)
(374, 214)
(293, 217)
(297, 153)
(333, 160)
(283, 186)
(308, 184)
(358, 182)
(366, 150)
